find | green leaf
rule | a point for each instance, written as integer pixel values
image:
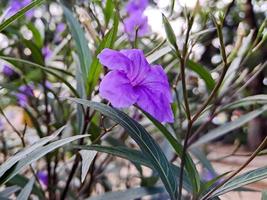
(26, 151)
(120, 151)
(8, 191)
(87, 158)
(227, 127)
(38, 39)
(20, 13)
(169, 33)
(82, 48)
(199, 154)
(178, 147)
(108, 11)
(107, 42)
(37, 154)
(158, 54)
(135, 156)
(21, 181)
(247, 101)
(242, 180)
(202, 72)
(49, 70)
(36, 53)
(129, 194)
(26, 191)
(146, 143)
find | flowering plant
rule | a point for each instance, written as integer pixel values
(86, 83)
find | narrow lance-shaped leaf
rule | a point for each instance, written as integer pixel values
(107, 42)
(134, 156)
(81, 44)
(129, 194)
(178, 147)
(169, 33)
(35, 155)
(20, 13)
(146, 143)
(202, 72)
(242, 180)
(87, 158)
(22, 154)
(108, 11)
(8, 191)
(247, 101)
(26, 191)
(227, 127)
(50, 70)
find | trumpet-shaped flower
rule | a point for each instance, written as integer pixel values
(136, 22)
(136, 5)
(133, 81)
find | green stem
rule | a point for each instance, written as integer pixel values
(183, 59)
(217, 86)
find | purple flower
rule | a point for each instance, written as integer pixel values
(16, 5)
(25, 91)
(48, 84)
(8, 71)
(136, 5)
(59, 30)
(22, 99)
(136, 21)
(47, 53)
(132, 80)
(42, 176)
(207, 175)
(1, 125)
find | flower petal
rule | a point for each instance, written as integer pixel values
(155, 95)
(136, 5)
(155, 104)
(116, 88)
(157, 81)
(140, 66)
(114, 60)
(136, 21)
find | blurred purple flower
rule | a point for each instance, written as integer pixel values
(16, 5)
(42, 176)
(48, 84)
(1, 125)
(136, 5)
(8, 71)
(59, 30)
(47, 53)
(207, 175)
(132, 80)
(25, 91)
(136, 22)
(22, 99)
